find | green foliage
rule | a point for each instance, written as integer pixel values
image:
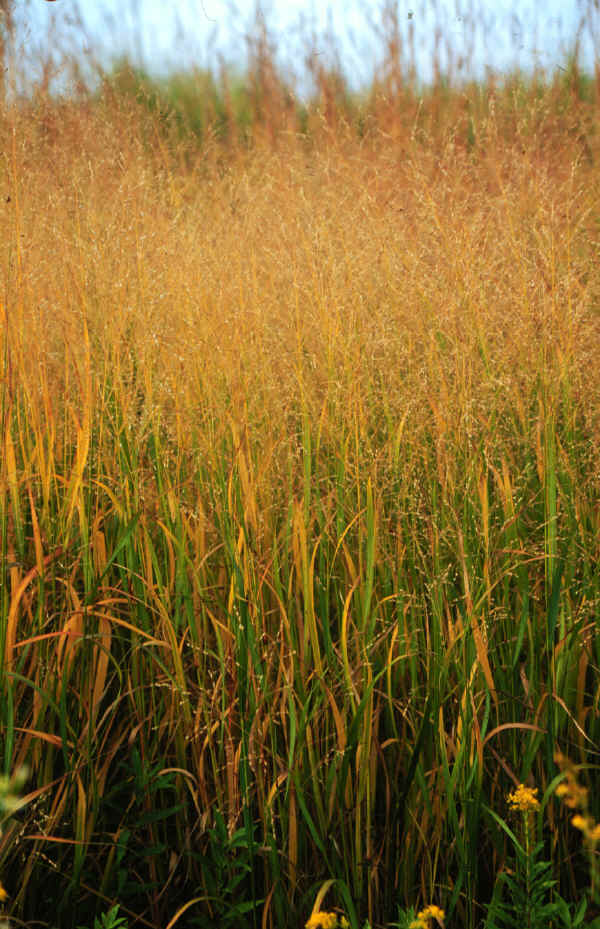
(406, 916)
(193, 104)
(227, 865)
(524, 899)
(109, 920)
(11, 788)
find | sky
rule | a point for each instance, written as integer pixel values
(163, 35)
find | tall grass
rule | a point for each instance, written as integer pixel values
(298, 500)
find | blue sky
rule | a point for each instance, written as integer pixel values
(163, 35)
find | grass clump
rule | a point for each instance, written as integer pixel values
(298, 508)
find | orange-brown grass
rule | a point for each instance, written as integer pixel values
(299, 501)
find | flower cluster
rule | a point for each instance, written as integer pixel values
(590, 828)
(323, 920)
(524, 799)
(575, 797)
(423, 919)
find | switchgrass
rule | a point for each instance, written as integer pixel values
(298, 503)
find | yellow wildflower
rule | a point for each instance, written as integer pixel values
(418, 924)
(594, 833)
(320, 920)
(571, 791)
(344, 924)
(3, 894)
(580, 822)
(524, 799)
(431, 912)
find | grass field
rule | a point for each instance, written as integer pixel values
(299, 501)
